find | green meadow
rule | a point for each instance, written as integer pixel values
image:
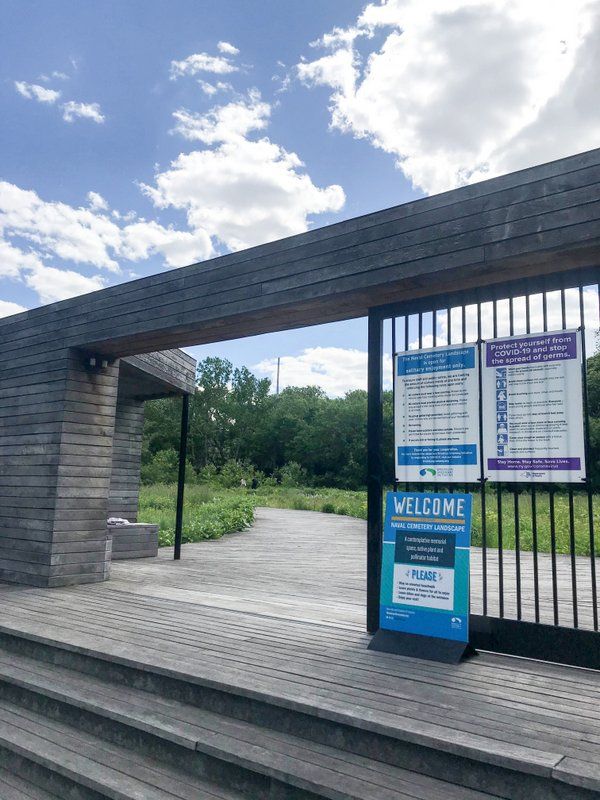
(212, 511)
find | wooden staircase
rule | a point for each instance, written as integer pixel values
(82, 726)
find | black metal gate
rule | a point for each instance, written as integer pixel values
(534, 570)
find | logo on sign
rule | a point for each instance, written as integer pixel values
(427, 471)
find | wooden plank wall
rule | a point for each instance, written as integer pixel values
(32, 396)
(126, 461)
(172, 367)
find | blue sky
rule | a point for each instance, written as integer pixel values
(140, 136)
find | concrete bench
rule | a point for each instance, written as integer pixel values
(138, 540)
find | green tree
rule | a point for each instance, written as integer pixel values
(593, 385)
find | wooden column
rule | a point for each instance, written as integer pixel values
(56, 446)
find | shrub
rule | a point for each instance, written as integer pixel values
(163, 467)
(210, 520)
(328, 508)
(292, 474)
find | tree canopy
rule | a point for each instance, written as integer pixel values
(241, 430)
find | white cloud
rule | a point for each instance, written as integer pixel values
(97, 202)
(211, 89)
(227, 48)
(87, 236)
(74, 234)
(53, 284)
(13, 260)
(337, 70)
(243, 192)
(73, 110)
(179, 248)
(202, 62)
(7, 308)
(224, 123)
(56, 75)
(336, 370)
(33, 91)
(459, 90)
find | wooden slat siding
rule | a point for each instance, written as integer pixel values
(558, 176)
(126, 459)
(27, 490)
(134, 541)
(172, 367)
(88, 491)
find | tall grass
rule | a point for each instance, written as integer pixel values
(212, 511)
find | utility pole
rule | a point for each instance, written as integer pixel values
(278, 368)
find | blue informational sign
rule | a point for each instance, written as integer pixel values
(436, 415)
(425, 567)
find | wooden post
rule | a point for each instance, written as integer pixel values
(374, 468)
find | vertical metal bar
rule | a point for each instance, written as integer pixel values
(552, 504)
(435, 323)
(553, 552)
(183, 437)
(573, 559)
(586, 420)
(374, 467)
(517, 521)
(406, 340)
(536, 575)
(482, 479)
(573, 555)
(534, 529)
(394, 386)
(517, 550)
(499, 503)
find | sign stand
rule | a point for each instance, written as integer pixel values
(415, 645)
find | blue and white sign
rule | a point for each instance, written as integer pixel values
(436, 415)
(425, 567)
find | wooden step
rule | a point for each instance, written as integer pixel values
(13, 787)
(285, 759)
(518, 771)
(85, 760)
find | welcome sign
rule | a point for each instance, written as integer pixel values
(425, 570)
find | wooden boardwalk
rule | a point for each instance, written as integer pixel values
(279, 611)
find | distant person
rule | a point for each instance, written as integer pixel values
(243, 483)
(255, 482)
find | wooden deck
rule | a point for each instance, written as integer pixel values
(279, 611)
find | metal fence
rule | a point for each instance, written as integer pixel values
(535, 570)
